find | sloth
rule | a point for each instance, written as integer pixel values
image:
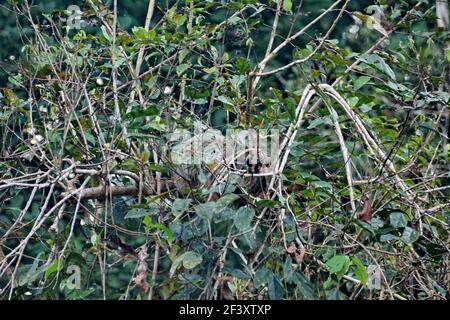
(198, 159)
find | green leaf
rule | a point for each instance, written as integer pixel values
(176, 263)
(275, 288)
(179, 206)
(315, 123)
(243, 218)
(397, 220)
(261, 277)
(360, 82)
(183, 54)
(182, 68)
(210, 70)
(379, 63)
(225, 201)
(148, 222)
(360, 271)
(191, 259)
(338, 265)
(410, 235)
(178, 20)
(106, 34)
(143, 35)
(353, 101)
(388, 237)
(56, 265)
(287, 5)
(305, 287)
(205, 210)
(225, 100)
(242, 65)
(140, 212)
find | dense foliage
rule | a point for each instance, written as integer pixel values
(93, 203)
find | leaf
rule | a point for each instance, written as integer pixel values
(148, 222)
(179, 206)
(205, 210)
(353, 101)
(275, 288)
(288, 271)
(388, 237)
(315, 123)
(176, 263)
(225, 201)
(410, 235)
(210, 70)
(178, 20)
(304, 286)
(183, 54)
(225, 100)
(360, 271)
(360, 82)
(105, 33)
(56, 265)
(338, 265)
(182, 68)
(143, 35)
(366, 213)
(140, 212)
(287, 5)
(261, 277)
(378, 62)
(243, 218)
(191, 259)
(242, 65)
(397, 220)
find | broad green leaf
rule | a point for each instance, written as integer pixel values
(388, 237)
(275, 288)
(410, 235)
(378, 62)
(182, 68)
(56, 265)
(261, 277)
(360, 82)
(225, 201)
(242, 65)
(315, 123)
(360, 271)
(179, 206)
(140, 212)
(148, 222)
(338, 265)
(205, 210)
(287, 5)
(191, 259)
(243, 218)
(353, 101)
(397, 220)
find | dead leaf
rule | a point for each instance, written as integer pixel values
(292, 249)
(299, 256)
(141, 273)
(366, 213)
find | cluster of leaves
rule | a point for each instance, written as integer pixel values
(76, 116)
